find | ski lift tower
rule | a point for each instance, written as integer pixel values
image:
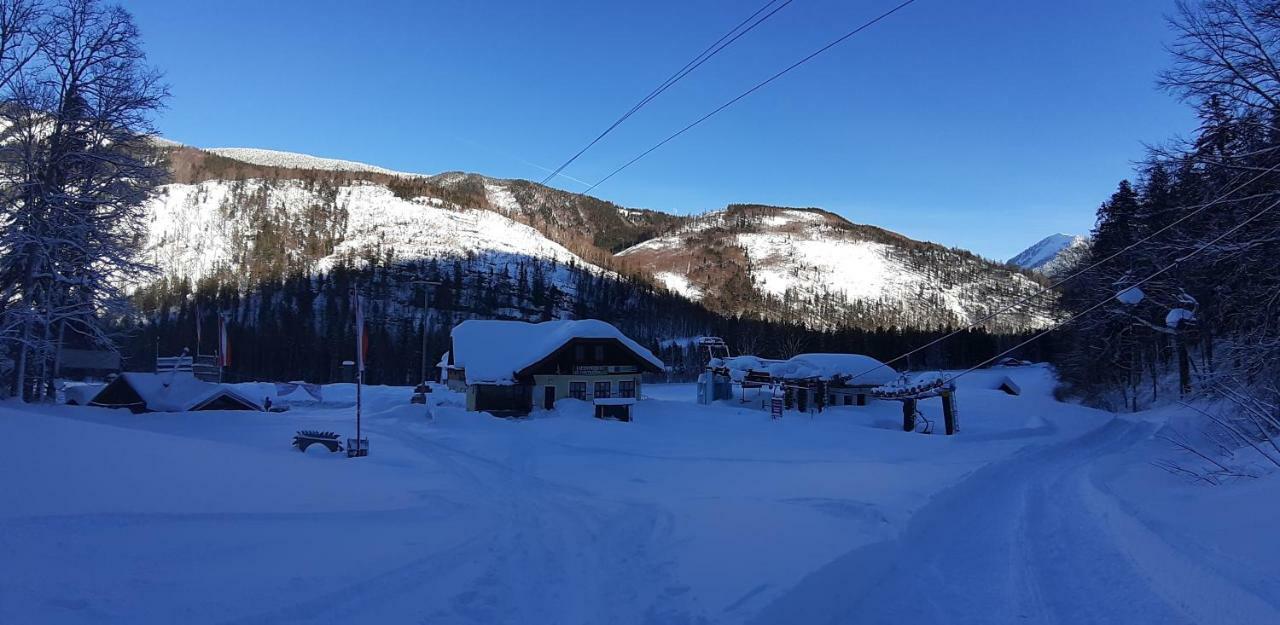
(714, 383)
(714, 346)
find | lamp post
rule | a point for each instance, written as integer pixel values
(426, 296)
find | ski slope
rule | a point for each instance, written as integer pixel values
(1038, 512)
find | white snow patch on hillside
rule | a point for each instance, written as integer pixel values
(857, 269)
(188, 234)
(294, 160)
(501, 198)
(195, 229)
(812, 262)
(378, 219)
(790, 217)
(677, 283)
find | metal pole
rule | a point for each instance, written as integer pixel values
(427, 285)
(426, 290)
(359, 383)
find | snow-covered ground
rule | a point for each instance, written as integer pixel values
(1037, 512)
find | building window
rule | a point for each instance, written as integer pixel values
(580, 352)
(578, 390)
(602, 389)
(599, 353)
(626, 388)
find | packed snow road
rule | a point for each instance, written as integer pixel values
(1034, 539)
(1038, 512)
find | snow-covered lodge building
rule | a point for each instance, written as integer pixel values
(509, 367)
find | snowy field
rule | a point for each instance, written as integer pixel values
(1037, 512)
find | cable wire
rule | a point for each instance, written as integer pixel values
(1104, 302)
(693, 64)
(757, 87)
(1025, 300)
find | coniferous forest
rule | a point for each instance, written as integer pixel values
(1180, 294)
(300, 326)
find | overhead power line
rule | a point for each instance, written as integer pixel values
(752, 90)
(1105, 301)
(1029, 298)
(723, 42)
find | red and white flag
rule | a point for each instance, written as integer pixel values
(362, 341)
(224, 346)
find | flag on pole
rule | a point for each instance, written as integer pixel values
(362, 340)
(224, 347)
(198, 336)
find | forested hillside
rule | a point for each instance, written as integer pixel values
(1185, 297)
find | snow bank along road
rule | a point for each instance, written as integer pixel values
(1039, 512)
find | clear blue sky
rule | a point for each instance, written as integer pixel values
(984, 124)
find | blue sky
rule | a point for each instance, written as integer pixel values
(984, 124)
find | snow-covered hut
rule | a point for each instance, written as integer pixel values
(823, 379)
(508, 367)
(169, 392)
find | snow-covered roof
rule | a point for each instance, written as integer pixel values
(175, 392)
(614, 401)
(1177, 316)
(493, 352)
(864, 370)
(1131, 296)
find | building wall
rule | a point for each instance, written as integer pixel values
(503, 395)
(561, 382)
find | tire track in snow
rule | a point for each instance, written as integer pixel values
(1024, 540)
(555, 553)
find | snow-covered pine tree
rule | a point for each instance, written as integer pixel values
(78, 163)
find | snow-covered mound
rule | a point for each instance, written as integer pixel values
(294, 160)
(1052, 254)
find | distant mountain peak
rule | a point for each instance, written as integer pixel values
(1051, 253)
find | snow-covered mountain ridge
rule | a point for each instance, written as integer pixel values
(816, 266)
(294, 160)
(244, 213)
(250, 228)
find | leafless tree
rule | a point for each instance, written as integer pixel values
(76, 166)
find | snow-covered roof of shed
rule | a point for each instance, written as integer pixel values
(493, 351)
(178, 392)
(865, 370)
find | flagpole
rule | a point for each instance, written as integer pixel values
(359, 383)
(360, 448)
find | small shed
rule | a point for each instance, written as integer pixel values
(169, 392)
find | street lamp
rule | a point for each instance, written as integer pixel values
(426, 297)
